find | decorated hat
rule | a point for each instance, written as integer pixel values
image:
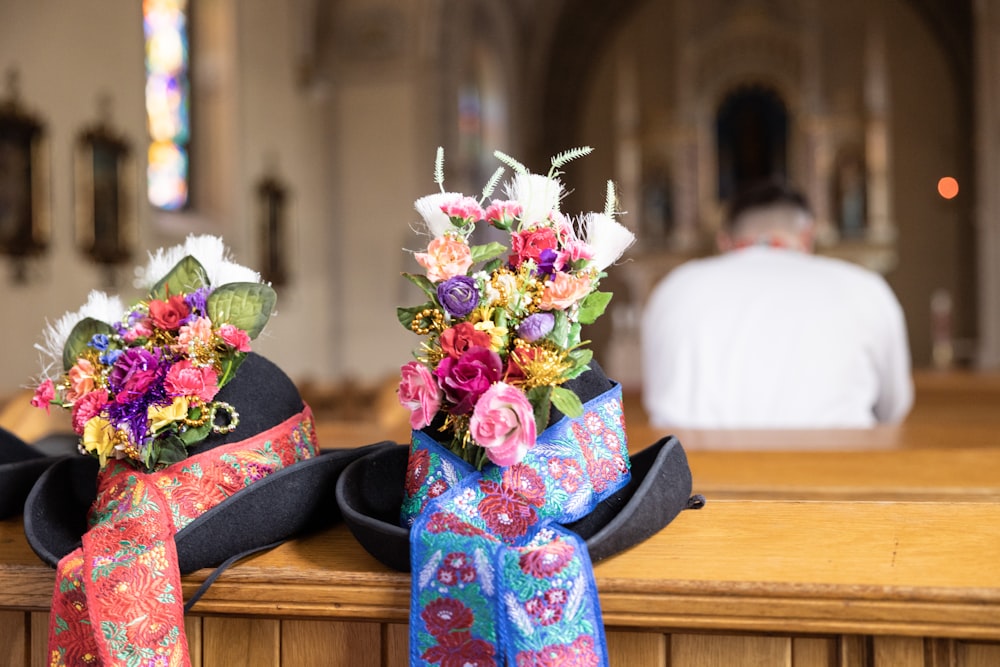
(518, 475)
(194, 450)
(22, 464)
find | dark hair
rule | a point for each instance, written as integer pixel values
(762, 194)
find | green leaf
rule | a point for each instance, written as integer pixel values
(424, 283)
(540, 398)
(593, 306)
(80, 337)
(581, 360)
(567, 402)
(490, 267)
(171, 450)
(406, 315)
(560, 330)
(193, 436)
(186, 276)
(244, 305)
(483, 253)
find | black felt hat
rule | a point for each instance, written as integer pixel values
(22, 464)
(370, 494)
(294, 499)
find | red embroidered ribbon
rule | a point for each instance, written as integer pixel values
(117, 600)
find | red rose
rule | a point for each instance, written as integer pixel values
(530, 244)
(462, 337)
(170, 313)
(505, 514)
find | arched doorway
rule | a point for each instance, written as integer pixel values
(751, 132)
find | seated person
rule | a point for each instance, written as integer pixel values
(769, 335)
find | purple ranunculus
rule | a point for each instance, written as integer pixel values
(547, 262)
(465, 379)
(536, 326)
(196, 301)
(458, 295)
(135, 370)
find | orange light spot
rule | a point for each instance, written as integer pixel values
(948, 187)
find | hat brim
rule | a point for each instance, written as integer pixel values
(370, 494)
(22, 464)
(291, 501)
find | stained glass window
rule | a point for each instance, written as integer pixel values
(168, 93)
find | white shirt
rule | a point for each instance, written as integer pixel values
(773, 338)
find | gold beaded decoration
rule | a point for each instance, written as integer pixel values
(427, 320)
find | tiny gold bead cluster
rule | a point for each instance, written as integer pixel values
(427, 320)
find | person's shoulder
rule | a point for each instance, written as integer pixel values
(854, 274)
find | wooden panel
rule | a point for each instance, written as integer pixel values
(854, 651)
(898, 651)
(13, 638)
(324, 643)
(240, 642)
(729, 650)
(396, 644)
(39, 638)
(637, 649)
(814, 652)
(978, 655)
(192, 628)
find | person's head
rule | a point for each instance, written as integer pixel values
(770, 213)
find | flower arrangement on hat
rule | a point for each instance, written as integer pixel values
(502, 322)
(141, 381)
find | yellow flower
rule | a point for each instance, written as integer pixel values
(99, 437)
(161, 416)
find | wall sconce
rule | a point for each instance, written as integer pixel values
(105, 196)
(272, 198)
(25, 226)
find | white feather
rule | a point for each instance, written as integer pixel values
(578, 587)
(537, 195)
(517, 614)
(485, 571)
(429, 208)
(608, 238)
(211, 253)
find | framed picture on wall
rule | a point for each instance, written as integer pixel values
(24, 204)
(105, 197)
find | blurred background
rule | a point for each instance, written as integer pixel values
(302, 131)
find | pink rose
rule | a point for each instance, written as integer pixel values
(44, 394)
(419, 393)
(574, 251)
(503, 423)
(446, 257)
(465, 379)
(141, 329)
(87, 407)
(234, 337)
(81, 380)
(186, 379)
(563, 291)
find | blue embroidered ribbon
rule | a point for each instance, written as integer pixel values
(496, 579)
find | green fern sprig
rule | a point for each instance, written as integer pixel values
(439, 168)
(510, 162)
(610, 200)
(568, 156)
(491, 185)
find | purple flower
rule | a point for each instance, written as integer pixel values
(465, 379)
(133, 373)
(547, 262)
(458, 295)
(196, 301)
(536, 326)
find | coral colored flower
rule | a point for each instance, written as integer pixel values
(531, 244)
(459, 339)
(88, 406)
(564, 290)
(168, 314)
(465, 379)
(419, 393)
(165, 415)
(198, 330)
(186, 379)
(445, 258)
(81, 379)
(234, 337)
(99, 438)
(503, 423)
(43, 396)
